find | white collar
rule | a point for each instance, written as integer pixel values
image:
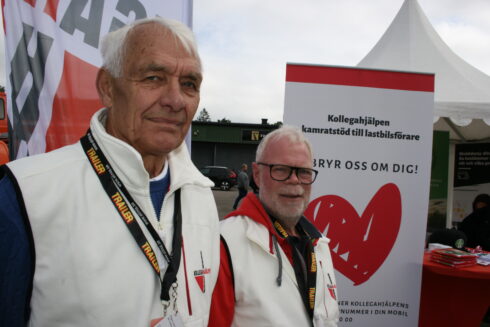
(162, 175)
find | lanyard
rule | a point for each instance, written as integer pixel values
(308, 294)
(120, 198)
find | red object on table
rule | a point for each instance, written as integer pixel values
(453, 296)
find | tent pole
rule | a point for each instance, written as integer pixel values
(455, 130)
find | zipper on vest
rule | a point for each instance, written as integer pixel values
(160, 224)
(159, 221)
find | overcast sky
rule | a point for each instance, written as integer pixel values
(245, 44)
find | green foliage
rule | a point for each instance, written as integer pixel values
(224, 120)
(203, 115)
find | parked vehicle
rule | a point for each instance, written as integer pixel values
(223, 177)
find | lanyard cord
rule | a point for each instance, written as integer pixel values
(308, 294)
(119, 197)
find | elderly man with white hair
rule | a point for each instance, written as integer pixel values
(276, 268)
(119, 229)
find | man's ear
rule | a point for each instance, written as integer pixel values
(255, 171)
(104, 84)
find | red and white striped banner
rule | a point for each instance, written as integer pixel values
(52, 57)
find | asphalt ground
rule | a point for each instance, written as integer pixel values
(224, 200)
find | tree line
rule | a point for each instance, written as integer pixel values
(204, 116)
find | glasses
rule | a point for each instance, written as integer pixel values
(281, 173)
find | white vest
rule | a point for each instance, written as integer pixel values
(259, 300)
(89, 270)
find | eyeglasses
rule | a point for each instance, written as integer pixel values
(281, 173)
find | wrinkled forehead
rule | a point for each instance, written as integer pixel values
(146, 35)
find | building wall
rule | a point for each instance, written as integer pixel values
(203, 154)
(222, 154)
(229, 145)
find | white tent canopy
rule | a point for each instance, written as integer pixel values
(462, 92)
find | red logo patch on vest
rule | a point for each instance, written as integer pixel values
(200, 276)
(331, 289)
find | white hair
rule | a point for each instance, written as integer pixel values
(292, 133)
(113, 47)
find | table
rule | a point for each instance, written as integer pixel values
(453, 296)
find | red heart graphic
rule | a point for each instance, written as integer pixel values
(359, 245)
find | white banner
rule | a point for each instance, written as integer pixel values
(372, 136)
(52, 57)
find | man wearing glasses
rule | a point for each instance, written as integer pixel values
(276, 268)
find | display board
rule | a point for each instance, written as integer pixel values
(371, 132)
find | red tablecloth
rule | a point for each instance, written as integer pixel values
(453, 296)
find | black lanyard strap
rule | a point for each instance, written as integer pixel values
(120, 197)
(171, 273)
(307, 269)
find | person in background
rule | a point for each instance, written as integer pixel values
(120, 228)
(476, 225)
(242, 185)
(276, 268)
